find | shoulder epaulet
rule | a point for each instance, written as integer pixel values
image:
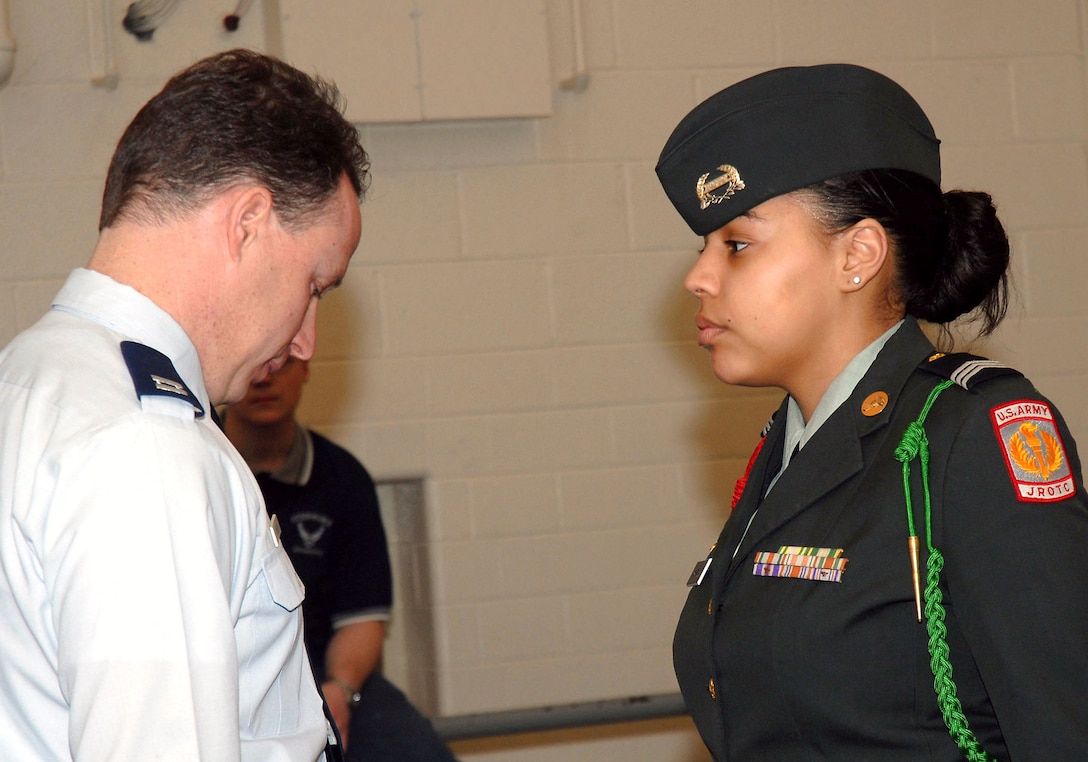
(966, 370)
(153, 374)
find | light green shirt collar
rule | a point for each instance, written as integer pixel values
(798, 432)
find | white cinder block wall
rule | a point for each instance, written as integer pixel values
(513, 329)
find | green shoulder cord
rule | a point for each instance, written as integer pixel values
(914, 444)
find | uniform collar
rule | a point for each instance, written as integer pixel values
(125, 311)
(798, 432)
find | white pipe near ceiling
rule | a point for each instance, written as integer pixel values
(7, 45)
(99, 21)
(579, 80)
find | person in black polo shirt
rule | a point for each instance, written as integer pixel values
(326, 505)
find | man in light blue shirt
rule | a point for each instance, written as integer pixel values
(147, 608)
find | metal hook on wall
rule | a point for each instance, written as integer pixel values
(231, 21)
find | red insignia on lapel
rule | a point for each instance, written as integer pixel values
(738, 490)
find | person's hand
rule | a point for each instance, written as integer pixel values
(338, 708)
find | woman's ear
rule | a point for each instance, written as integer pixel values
(863, 251)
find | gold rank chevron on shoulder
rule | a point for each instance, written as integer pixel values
(966, 370)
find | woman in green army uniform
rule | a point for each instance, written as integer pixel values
(902, 576)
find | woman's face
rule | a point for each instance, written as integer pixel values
(768, 290)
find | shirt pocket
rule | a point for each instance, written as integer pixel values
(283, 583)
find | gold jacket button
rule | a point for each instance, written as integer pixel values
(713, 690)
(710, 606)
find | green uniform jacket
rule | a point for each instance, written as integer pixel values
(780, 668)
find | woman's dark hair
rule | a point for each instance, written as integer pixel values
(238, 116)
(951, 251)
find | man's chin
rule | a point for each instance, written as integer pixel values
(232, 396)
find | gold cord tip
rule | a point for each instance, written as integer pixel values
(912, 543)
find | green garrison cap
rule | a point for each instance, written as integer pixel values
(788, 128)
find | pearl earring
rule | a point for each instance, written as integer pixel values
(857, 279)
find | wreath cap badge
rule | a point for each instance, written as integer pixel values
(729, 179)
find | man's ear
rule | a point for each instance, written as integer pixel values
(249, 212)
(864, 250)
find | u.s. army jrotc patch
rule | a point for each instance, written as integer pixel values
(1034, 451)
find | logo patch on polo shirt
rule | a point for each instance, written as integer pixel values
(1034, 452)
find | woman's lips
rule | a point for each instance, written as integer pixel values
(708, 331)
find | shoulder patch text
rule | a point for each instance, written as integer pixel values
(1034, 451)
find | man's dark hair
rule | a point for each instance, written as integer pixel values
(238, 116)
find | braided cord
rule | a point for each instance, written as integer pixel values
(915, 444)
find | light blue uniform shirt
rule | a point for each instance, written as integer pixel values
(146, 609)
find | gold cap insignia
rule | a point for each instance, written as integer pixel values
(729, 179)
